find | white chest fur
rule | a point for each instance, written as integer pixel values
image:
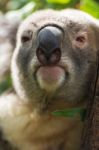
(28, 130)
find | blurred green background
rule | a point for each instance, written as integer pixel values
(22, 8)
(90, 6)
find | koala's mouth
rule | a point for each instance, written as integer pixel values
(50, 78)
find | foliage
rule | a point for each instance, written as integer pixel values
(90, 6)
(4, 85)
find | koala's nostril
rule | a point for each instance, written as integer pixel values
(49, 58)
(55, 57)
(41, 57)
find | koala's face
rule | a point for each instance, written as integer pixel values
(55, 56)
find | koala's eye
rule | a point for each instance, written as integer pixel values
(27, 36)
(81, 40)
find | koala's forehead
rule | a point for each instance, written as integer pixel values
(40, 19)
(66, 18)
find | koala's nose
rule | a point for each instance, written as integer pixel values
(49, 45)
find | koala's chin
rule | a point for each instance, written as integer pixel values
(50, 78)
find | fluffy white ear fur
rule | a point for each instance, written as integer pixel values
(91, 20)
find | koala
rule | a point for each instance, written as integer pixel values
(52, 68)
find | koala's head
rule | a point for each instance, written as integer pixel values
(55, 56)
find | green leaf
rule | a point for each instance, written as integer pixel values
(71, 113)
(21, 13)
(90, 6)
(59, 1)
(5, 85)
